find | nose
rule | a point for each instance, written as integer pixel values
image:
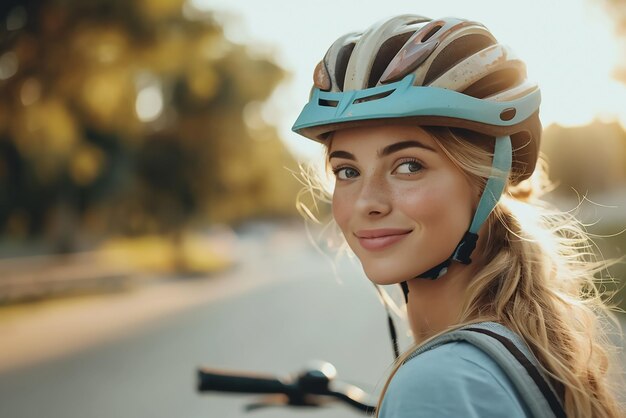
(374, 197)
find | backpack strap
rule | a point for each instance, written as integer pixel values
(513, 356)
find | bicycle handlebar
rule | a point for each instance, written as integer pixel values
(224, 381)
(312, 387)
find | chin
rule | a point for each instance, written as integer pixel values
(383, 275)
(400, 263)
(386, 270)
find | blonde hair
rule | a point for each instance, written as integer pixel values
(538, 280)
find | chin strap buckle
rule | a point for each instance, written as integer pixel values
(461, 254)
(465, 248)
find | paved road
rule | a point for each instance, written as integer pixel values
(281, 317)
(287, 307)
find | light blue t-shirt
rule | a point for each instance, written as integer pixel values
(456, 380)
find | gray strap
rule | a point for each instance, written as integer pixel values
(500, 170)
(523, 382)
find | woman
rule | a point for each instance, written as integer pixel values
(432, 131)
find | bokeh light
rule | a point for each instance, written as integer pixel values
(8, 65)
(149, 103)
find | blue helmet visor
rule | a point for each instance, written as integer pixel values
(328, 111)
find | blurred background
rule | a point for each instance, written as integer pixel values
(147, 198)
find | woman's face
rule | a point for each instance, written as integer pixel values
(401, 204)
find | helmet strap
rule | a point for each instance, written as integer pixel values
(500, 170)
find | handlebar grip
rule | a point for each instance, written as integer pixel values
(223, 381)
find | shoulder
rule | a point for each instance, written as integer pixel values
(454, 379)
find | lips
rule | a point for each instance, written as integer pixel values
(378, 239)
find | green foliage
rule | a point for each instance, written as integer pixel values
(127, 117)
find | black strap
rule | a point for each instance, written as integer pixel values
(405, 289)
(541, 383)
(394, 337)
(392, 328)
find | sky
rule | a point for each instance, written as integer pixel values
(569, 47)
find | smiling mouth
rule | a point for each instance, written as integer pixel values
(374, 240)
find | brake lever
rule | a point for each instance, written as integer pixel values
(267, 401)
(283, 400)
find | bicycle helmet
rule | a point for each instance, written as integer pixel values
(447, 72)
(365, 78)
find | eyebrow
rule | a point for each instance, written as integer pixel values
(341, 154)
(389, 149)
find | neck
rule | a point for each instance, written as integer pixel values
(435, 305)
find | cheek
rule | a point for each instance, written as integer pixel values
(441, 209)
(342, 208)
(422, 204)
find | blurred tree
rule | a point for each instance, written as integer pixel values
(584, 159)
(120, 116)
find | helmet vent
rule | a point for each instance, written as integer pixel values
(328, 103)
(508, 113)
(494, 83)
(455, 52)
(386, 52)
(373, 97)
(343, 56)
(433, 31)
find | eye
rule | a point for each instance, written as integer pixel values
(345, 173)
(409, 167)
